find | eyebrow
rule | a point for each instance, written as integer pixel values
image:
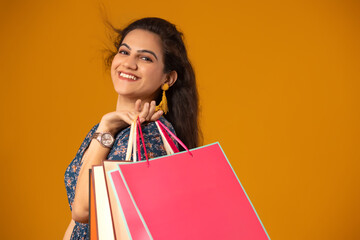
(143, 50)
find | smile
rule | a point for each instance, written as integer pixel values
(128, 76)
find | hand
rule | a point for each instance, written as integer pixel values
(113, 122)
(146, 114)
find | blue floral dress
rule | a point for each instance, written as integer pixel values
(154, 148)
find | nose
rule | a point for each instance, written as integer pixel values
(130, 62)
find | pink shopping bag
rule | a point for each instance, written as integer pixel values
(183, 197)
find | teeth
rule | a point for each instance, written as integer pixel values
(128, 76)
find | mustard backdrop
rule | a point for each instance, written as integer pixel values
(279, 89)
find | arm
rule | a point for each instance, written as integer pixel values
(93, 156)
(96, 153)
(69, 230)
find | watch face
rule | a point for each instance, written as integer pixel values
(107, 139)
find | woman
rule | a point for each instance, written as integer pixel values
(150, 58)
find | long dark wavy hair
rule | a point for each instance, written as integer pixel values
(182, 97)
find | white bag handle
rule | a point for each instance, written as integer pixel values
(133, 136)
(131, 141)
(132, 144)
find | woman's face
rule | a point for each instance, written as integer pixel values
(137, 70)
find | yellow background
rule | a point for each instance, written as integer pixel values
(279, 89)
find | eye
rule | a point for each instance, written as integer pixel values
(123, 52)
(147, 59)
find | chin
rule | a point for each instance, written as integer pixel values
(122, 90)
(123, 93)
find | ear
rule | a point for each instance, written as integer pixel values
(171, 78)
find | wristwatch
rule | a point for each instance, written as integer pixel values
(105, 138)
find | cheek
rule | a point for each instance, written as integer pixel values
(155, 72)
(115, 62)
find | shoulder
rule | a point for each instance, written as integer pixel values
(152, 134)
(152, 139)
(148, 129)
(167, 124)
(151, 127)
(164, 121)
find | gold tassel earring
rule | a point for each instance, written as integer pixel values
(163, 104)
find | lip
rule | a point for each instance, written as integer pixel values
(127, 79)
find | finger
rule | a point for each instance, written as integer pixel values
(138, 105)
(144, 113)
(156, 115)
(151, 111)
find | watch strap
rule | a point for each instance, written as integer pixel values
(98, 137)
